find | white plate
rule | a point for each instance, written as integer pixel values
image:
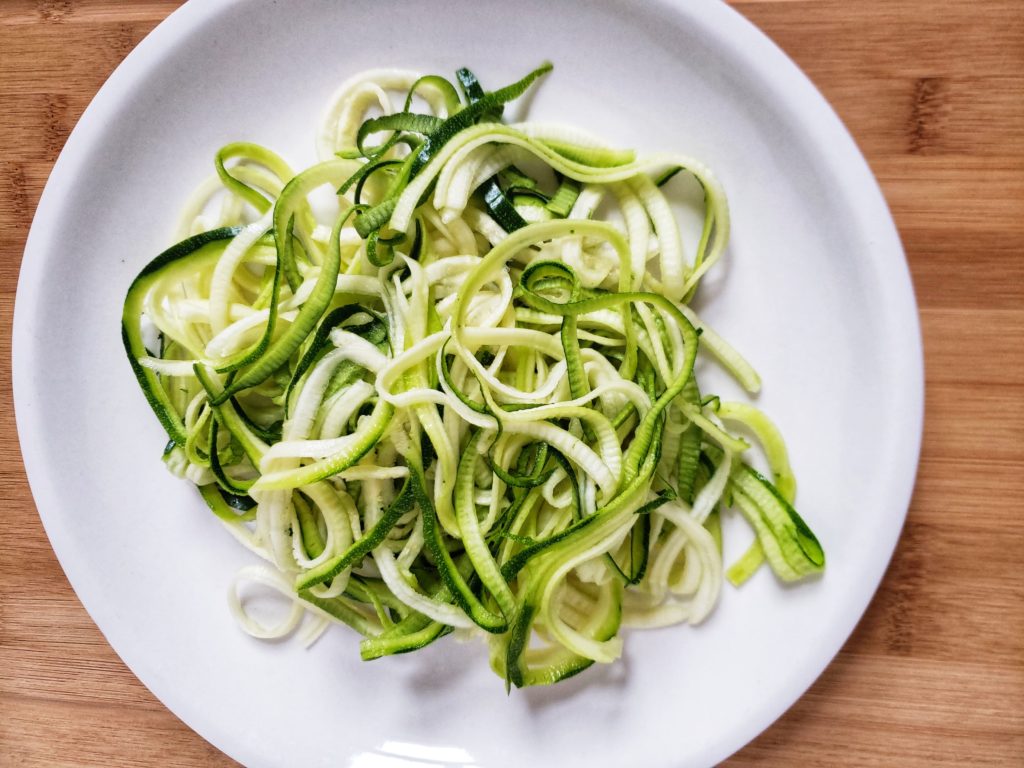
(814, 288)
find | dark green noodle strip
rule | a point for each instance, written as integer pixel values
(189, 256)
(629, 360)
(292, 201)
(527, 540)
(269, 434)
(625, 414)
(229, 484)
(791, 548)
(647, 377)
(376, 217)
(535, 476)
(526, 460)
(226, 506)
(800, 547)
(366, 170)
(565, 663)
(345, 375)
(378, 252)
(285, 238)
(662, 332)
(370, 540)
(419, 237)
(689, 447)
(499, 206)
(410, 140)
(312, 541)
(339, 609)
(320, 343)
(576, 505)
(516, 183)
(610, 510)
(376, 592)
(579, 385)
(428, 452)
(240, 503)
(361, 182)
(663, 497)
(246, 356)
(473, 92)
(412, 633)
(462, 593)
(288, 342)
(484, 565)
(380, 150)
(400, 121)
(473, 113)
(446, 373)
(483, 106)
(225, 414)
(366, 430)
(666, 176)
(508, 519)
(640, 541)
(383, 613)
(412, 640)
(646, 364)
(516, 643)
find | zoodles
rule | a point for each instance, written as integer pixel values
(458, 392)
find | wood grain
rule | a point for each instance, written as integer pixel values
(934, 674)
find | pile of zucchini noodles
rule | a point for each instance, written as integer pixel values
(457, 391)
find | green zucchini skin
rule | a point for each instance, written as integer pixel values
(192, 253)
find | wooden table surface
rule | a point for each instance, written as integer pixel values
(934, 675)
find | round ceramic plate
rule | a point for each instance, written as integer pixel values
(814, 289)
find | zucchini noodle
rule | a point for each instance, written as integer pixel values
(460, 393)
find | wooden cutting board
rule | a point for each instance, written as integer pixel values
(934, 675)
